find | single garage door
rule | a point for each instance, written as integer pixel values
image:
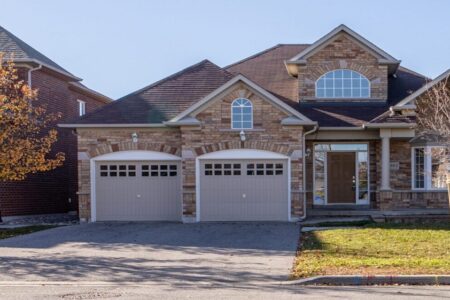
(138, 191)
(243, 190)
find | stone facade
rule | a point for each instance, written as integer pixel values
(342, 53)
(190, 142)
(95, 142)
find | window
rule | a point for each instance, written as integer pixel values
(226, 169)
(159, 170)
(117, 170)
(342, 84)
(241, 114)
(81, 107)
(429, 167)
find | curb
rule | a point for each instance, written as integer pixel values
(374, 280)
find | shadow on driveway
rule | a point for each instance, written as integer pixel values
(210, 255)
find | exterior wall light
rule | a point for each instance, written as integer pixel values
(242, 136)
(134, 137)
(308, 152)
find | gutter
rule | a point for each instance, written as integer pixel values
(31, 70)
(390, 125)
(304, 169)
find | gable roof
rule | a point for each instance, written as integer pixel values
(20, 51)
(383, 57)
(198, 106)
(171, 100)
(267, 69)
(423, 89)
(162, 100)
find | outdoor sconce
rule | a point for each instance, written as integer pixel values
(308, 152)
(242, 136)
(134, 137)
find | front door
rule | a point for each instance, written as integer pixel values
(341, 177)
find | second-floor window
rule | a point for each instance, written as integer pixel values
(241, 114)
(81, 107)
(341, 84)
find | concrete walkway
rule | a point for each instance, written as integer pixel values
(176, 255)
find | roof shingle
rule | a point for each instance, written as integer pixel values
(162, 100)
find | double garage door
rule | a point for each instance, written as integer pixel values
(229, 190)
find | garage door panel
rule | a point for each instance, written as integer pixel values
(148, 191)
(258, 192)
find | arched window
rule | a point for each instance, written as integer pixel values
(342, 84)
(241, 114)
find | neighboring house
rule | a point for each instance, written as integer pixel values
(292, 128)
(60, 91)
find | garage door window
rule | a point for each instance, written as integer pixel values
(226, 169)
(117, 170)
(159, 170)
(264, 169)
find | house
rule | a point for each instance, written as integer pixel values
(60, 91)
(290, 129)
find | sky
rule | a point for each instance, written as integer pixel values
(119, 46)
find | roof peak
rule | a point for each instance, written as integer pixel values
(20, 51)
(173, 76)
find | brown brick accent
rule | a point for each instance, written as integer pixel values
(343, 53)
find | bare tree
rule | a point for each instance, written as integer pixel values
(433, 118)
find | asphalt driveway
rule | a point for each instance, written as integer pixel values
(163, 253)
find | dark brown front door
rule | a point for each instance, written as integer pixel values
(341, 177)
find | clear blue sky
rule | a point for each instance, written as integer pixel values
(118, 46)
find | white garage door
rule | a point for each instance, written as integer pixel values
(138, 191)
(244, 190)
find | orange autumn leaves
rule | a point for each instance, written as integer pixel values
(25, 135)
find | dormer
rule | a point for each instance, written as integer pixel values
(342, 66)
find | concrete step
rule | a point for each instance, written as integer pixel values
(312, 221)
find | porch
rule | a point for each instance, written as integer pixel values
(372, 174)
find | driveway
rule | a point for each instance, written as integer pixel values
(163, 253)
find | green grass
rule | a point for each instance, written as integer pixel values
(375, 249)
(7, 233)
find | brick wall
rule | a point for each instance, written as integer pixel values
(49, 192)
(342, 53)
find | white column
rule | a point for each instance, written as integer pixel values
(385, 163)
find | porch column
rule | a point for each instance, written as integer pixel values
(385, 163)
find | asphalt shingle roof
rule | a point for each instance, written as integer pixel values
(14, 47)
(167, 98)
(268, 70)
(162, 100)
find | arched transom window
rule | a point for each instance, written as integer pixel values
(241, 114)
(342, 84)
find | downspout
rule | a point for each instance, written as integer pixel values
(29, 73)
(304, 169)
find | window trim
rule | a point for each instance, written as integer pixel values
(428, 180)
(81, 107)
(241, 121)
(351, 88)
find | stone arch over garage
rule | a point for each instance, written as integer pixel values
(238, 145)
(103, 149)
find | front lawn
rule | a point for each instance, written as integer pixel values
(7, 233)
(375, 249)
